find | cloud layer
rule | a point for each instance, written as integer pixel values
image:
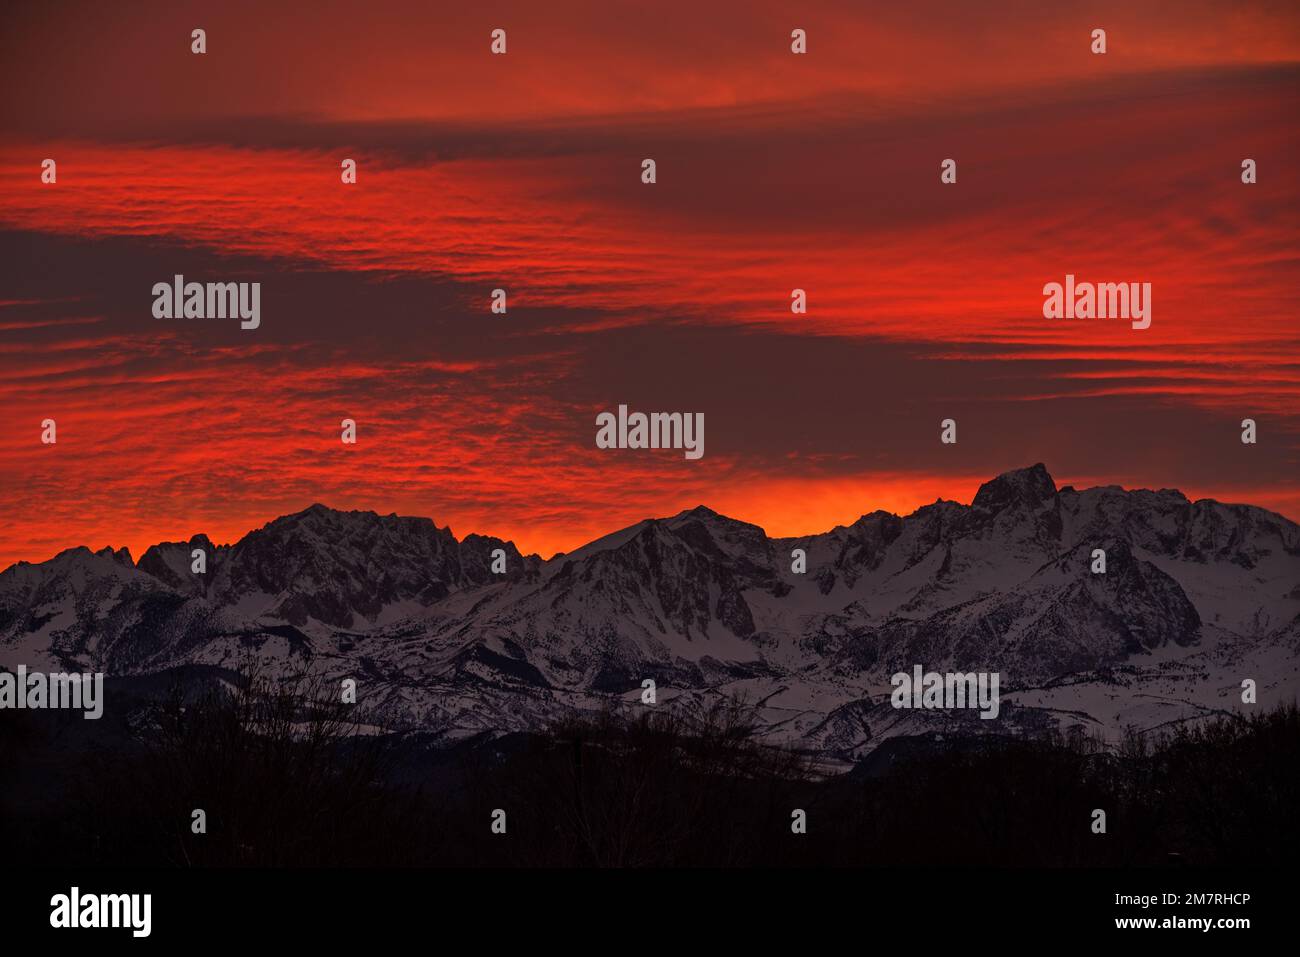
(522, 172)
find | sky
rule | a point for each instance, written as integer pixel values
(775, 171)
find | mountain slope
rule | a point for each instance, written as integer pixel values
(1193, 594)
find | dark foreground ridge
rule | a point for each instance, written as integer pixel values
(284, 780)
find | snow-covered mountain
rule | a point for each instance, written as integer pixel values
(1196, 597)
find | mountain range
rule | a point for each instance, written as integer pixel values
(1196, 597)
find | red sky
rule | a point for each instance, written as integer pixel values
(775, 171)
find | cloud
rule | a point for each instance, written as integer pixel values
(775, 172)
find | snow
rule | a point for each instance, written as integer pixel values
(1002, 586)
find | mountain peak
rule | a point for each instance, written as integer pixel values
(120, 555)
(1031, 486)
(718, 523)
(699, 511)
(318, 509)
